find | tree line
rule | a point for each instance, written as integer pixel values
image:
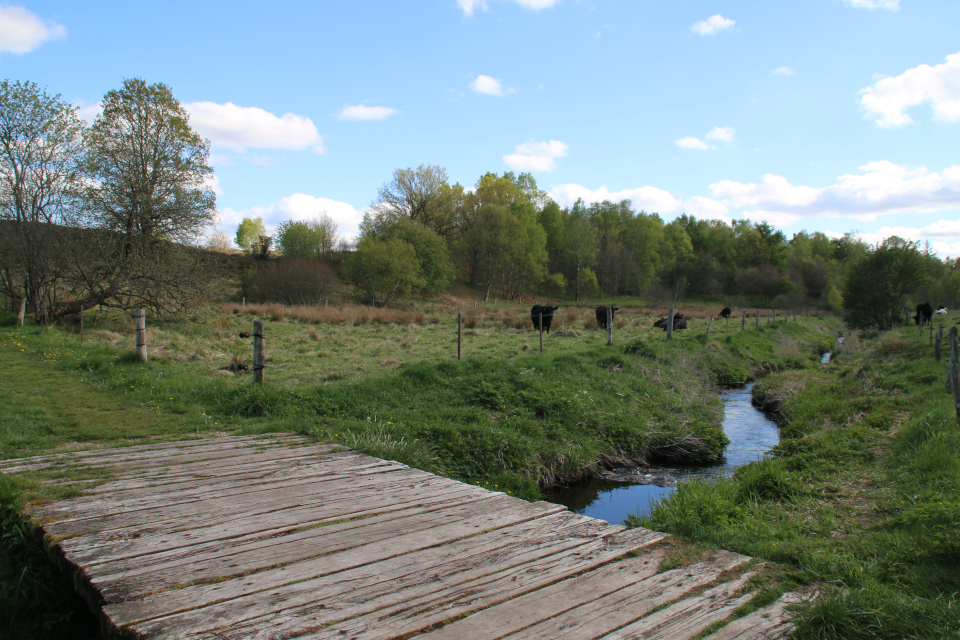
(108, 215)
(506, 237)
(102, 215)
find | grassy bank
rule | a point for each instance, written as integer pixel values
(862, 497)
(504, 417)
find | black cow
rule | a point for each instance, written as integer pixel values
(539, 310)
(924, 314)
(679, 322)
(725, 312)
(602, 315)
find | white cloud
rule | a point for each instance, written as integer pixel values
(298, 206)
(88, 112)
(536, 156)
(782, 71)
(363, 112)
(881, 188)
(723, 134)
(22, 31)
(693, 143)
(712, 25)
(470, 6)
(943, 236)
(889, 99)
(707, 208)
(650, 199)
(489, 86)
(239, 128)
(889, 5)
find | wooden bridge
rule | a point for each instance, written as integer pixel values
(277, 537)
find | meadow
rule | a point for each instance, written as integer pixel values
(847, 505)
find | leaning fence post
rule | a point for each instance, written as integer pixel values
(743, 320)
(259, 350)
(953, 381)
(939, 342)
(140, 319)
(540, 324)
(670, 324)
(609, 326)
(709, 324)
(459, 334)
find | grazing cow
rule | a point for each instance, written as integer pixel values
(942, 310)
(546, 312)
(725, 312)
(924, 314)
(602, 315)
(679, 322)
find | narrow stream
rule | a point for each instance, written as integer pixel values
(622, 492)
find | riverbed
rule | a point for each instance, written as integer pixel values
(618, 493)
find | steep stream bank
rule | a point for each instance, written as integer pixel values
(617, 493)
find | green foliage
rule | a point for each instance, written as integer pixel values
(878, 284)
(384, 270)
(433, 257)
(248, 233)
(302, 239)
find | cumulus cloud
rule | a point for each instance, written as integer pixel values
(881, 188)
(693, 143)
(239, 128)
(707, 208)
(536, 156)
(889, 5)
(943, 236)
(782, 71)
(712, 25)
(470, 6)
(889, 99)
(298, 206)
(649, 199)
(723, 134)
(22, 31)
(720, 134)
(363, 112)
(489, 86)
(88, 112)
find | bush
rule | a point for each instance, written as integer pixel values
(294, 282)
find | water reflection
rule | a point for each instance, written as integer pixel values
(621, 492)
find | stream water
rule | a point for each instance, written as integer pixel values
(618, 493)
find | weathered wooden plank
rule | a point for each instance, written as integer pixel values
(418, 614)
(354, 573)
(690, 616)
(299, 607)
(307, 472)
(769, 623)
(104, 547)
(237, 503)
(483, 514)
(546, 603)
(152, 558)
(144, 453)
(607, 613)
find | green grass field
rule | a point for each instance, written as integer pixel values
(844, 506)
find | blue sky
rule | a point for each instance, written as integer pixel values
(824, 115)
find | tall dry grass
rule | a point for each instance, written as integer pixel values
(346, 314)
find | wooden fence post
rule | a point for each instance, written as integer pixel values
(243, 303)
(81, 323)
(939, 342)
(727, 328)
(540, 324)
(140, 319)
(259, 350)
(23, 311)
(758, 317)
(670, 324)
(459, 335)
(609, 326)
(953, 382)
(743, 320)
(709, 324)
